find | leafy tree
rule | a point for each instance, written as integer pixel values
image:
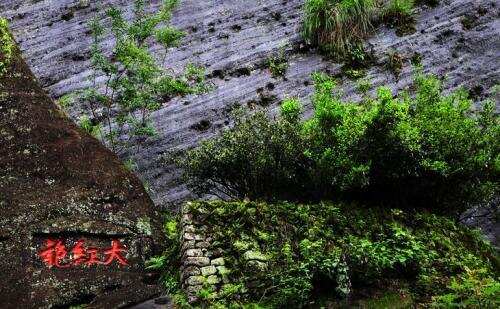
(257, 159)
(136, 82)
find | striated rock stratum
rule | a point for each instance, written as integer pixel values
(459, 39)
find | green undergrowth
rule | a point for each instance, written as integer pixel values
(337, 254)
(278, 64)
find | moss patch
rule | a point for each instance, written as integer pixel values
(6, 46)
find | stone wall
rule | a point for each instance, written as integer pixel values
(206, 264)
(202, 266)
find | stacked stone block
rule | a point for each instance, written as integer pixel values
(202, 266)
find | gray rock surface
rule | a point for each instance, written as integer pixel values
(232, 39)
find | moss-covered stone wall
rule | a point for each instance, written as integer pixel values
(296, 255)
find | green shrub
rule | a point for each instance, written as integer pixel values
(363, 86)
(267, 155)
(136, 82)
(337, 26)
(6, 46)
(169, 263)
(399, 9)
(425, 150)
(343, 249)
(472, 289)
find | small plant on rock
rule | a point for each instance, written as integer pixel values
(278, 64)
(394, 62)
(399, 14)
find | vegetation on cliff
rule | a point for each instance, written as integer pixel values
(339, 27)
(424, 149)
(375, 188)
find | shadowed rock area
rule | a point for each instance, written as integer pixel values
(66, 201)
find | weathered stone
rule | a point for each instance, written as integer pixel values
(189, 236)
(199, 237)
(190, 271)
(202, 244)
(195, 280)
(208, 253)
(213, 279)
(189, 229)
(223, 270)
(57, 182)
(217, 261)
(187, 218)
(197, 261)
(208, 270)
(193, 252)
(192, 298)
(187, 244)
(254, 255)
(193, 289)
(257, 266)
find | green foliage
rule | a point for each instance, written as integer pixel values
(337, 26)
(135, 80)
(291, 109)
(394, 62)
(65, 101)
(363, 86)
(344, 247)
(399, 8)
(259, 158)
(472, 289)
(428, 150)
(278, 64)
(86, 124)
(169, 263)
(7, 46)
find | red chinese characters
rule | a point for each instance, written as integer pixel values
(55, 254)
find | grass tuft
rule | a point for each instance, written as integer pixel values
(337, 26)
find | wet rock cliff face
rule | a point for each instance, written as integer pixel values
(76, 226)
(458, 39)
